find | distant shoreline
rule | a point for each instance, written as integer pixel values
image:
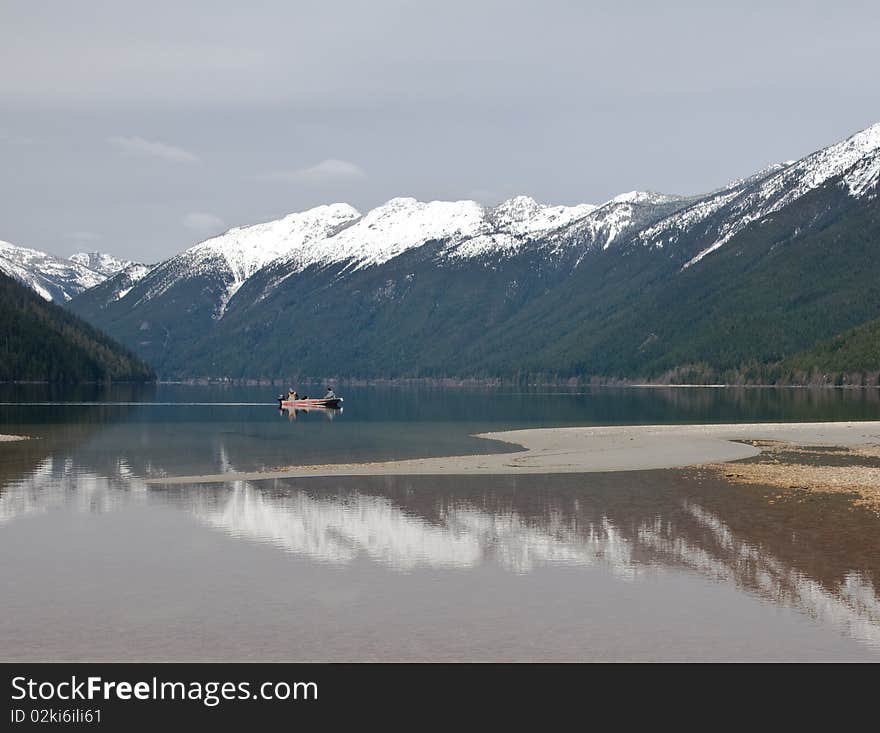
(91, 383)
(571, 384)
(488, 383)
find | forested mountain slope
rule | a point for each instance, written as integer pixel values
(40, 341)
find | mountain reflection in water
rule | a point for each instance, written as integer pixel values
(630, 524)
(462, 533)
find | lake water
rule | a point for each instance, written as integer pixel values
(654, 565)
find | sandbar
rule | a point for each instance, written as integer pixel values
(585, 450)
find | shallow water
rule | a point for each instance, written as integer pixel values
(644, 565)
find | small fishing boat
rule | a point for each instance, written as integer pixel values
(332, 403)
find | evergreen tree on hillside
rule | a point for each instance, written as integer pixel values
(41, 342)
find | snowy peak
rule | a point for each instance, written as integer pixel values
(53, 278)
(621, 217)
(522, 215)
(512, 225)
(467, 229)
(100, 262)
(649, 198)
(401, 224)
(696, 211)
(234, 256)
(517, 209)
(247, 249)
(855, 161)
(339, 234)
(124, 280)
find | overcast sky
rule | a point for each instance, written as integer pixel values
(141, 128)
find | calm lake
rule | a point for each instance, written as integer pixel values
(653, 565)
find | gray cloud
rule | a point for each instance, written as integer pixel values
(327, 171)
(203, 223)
(152, 149)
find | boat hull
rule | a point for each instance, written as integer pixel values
(331, 404)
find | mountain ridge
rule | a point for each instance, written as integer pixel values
(57, 278)
(101, 262)
(424, 288)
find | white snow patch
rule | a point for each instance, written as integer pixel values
(53, 278)
(101, 262)
(391, 229)
(129, 278)
(511, 224)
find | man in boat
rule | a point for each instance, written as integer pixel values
(291, 394)
(331, 395)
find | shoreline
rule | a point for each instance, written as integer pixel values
(795, 471)
(585, 450)
(494, 384)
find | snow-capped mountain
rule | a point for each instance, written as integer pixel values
(853, 164)
(54, 278)
(669, 229)
(120, 284)
(227, 261)
(57, 278)
(472, 279)
(338, 234)
(100, 262)
(622, 216)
